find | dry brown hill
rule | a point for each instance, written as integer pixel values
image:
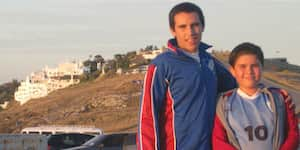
(109, 103)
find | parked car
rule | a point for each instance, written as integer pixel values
(21, 141)
(117, 141)
(67, 140)
(58, 129)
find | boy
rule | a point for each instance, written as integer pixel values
(251, 116)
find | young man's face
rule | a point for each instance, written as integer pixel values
(247, 71)
(187, 31)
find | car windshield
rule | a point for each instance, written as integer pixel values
(94, 141)
(68, 140)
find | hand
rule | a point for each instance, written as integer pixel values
(288, 99)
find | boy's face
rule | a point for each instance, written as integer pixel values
(187, 31)
(247, 71)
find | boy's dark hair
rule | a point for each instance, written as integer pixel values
(246, 48)
(185, 7)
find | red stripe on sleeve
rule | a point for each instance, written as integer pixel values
(147, 124)
(167, 130)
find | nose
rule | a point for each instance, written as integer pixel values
(250, 70)
(191, 30)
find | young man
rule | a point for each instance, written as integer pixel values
(181, 87)
(251, 116)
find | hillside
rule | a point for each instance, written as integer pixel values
(107, 103)
(110, 103)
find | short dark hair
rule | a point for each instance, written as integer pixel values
(244, 49)
(185, 7)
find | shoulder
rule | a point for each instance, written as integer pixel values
(165, 60)
(223, 97)
(223, 104)
(161, 58)
(282, 98)
(162, 62)
(278, 91)
(286, 97)
(228, 93)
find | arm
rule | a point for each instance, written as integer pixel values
(219, 137)
(152, 97)
(292, 137)
(225, 80)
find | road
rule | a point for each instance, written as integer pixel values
(295, 94)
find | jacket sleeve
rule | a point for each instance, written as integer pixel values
(292, 137)
(220, 140)
(153, 94)
(225, 80)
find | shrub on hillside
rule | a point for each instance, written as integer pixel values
(89, 76)
(7, 91)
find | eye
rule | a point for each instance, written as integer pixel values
(242, 66)
(195, 24)
(255, 66)
(182, 26)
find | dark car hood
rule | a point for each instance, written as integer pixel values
(83, 147)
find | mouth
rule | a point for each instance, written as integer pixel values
(193, 41)
(252, 79)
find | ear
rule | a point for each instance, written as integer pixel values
(232, 71)
(202, 28)
(173, 32)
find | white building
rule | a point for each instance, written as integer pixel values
(28, 90)
(140, 69)
(37, 77)
(151, 54)
(119, 71)
(54, 84)
(4, 105)
(64, 75)
(64, 69)
(41, 83)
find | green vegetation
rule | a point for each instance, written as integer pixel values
(7, 91)
(122, 61)
(91, 69)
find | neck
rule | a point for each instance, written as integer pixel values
(249, 91)
(189, 51)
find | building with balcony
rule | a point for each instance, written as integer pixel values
(150, 54)
(39, 84)
(28, 90)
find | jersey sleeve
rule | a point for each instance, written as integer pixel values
(154, 92)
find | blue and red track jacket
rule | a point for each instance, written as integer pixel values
(179, 100)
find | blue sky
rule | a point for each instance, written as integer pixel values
(35, 33)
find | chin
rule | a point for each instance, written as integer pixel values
(252, 86)
(194, 48)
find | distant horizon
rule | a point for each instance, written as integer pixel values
(55, 64)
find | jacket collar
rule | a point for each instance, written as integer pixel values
(173, 46)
